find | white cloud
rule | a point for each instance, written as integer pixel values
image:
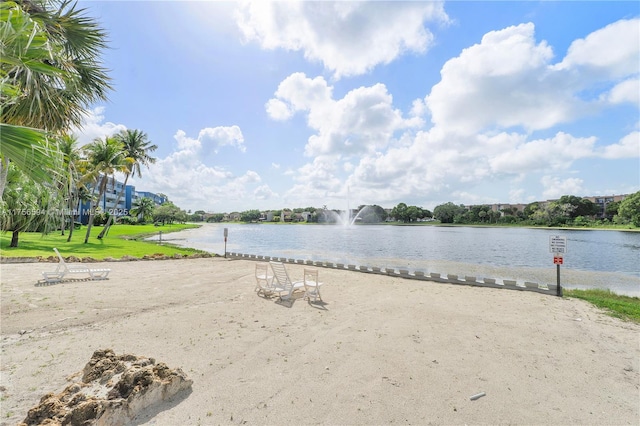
(94, 128)
(349, 38)
(208, 187)
(210, 138)
(363, 121)
(297, 92)
(489, 101)
(320, 175)
(505, 82)
(222, 136)
(250, 177)
(500, 83)
(626, 91)
(418, 108)
(613, 51)
(628, 147)
(278, 110)
(263, 192)
(186, 143)
(554, 153)
(555, 188)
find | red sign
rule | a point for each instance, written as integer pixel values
(557, 260)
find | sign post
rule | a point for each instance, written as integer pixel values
(558, 246)
(226, 233)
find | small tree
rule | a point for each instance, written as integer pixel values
(217, 217)
(24, 206)
(250, 215)
(143, 208)
(168, 212)
(630, 209)
(136, 150)
(612, 209)
(104, 158)
(447, 212)
(399, 212)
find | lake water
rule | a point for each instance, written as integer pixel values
(594, 259)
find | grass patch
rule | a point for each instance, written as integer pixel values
(122, 240)
(624, 307)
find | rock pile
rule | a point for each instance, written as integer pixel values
(113, 390)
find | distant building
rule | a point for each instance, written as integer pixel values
(266, 216)
(231, 217)
(286, 216)
(502, 207)
(108, 201)
(158, 199)
(603, 201)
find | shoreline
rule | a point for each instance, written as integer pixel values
(574, 274)
(540, 286)
(379, 349)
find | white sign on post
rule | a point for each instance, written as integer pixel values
(557, 244)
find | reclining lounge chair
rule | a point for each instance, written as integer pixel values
(282, 284)
(64, 271)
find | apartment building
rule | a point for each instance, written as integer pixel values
(108, 201)
(603, 201)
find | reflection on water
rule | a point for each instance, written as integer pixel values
(594, 259)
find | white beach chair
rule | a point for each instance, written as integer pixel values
(264, 280)
(282, 284)
(311, 285)
(63, 270)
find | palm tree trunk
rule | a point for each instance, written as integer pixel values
(90, 223)
(92, 207)
(14, 239)
(73, 224)
(110, 220)
(73, 217)
(64, 222)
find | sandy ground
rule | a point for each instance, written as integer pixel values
(380, 349)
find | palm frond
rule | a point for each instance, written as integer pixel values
(30, 150)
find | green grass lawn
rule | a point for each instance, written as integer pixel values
(623, 307)
(122, 240)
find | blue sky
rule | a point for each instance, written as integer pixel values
(259, 105)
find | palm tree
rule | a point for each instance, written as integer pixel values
(49, 73)
(143, 208)
(69, 185)
(24, 44)
(137, 148)
(104, 158)
(30, 150)
(25, 205)
(67, 75)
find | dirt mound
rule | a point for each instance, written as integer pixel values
(113, 390)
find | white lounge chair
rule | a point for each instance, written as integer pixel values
(264, 280)
(282, 284)
(311, 285)
(65, 271)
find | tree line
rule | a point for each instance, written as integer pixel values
(568, 210)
